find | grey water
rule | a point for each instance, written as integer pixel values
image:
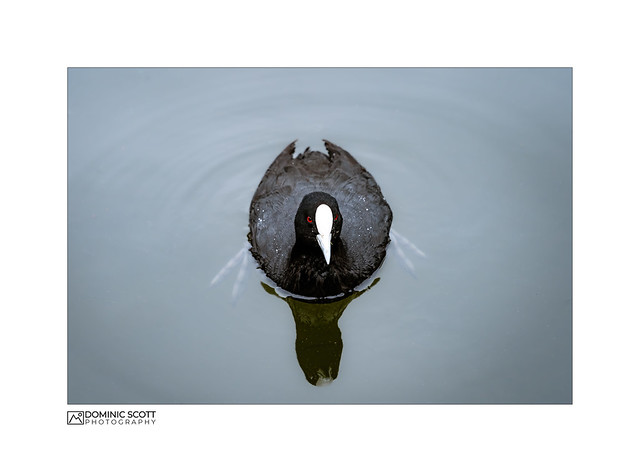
(475, 164)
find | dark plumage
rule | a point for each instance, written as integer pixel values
(283, 230)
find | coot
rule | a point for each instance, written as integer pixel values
(318, 224)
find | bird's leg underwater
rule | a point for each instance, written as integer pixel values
(241, 259)
(399, 244)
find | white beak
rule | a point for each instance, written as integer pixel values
(324, 223)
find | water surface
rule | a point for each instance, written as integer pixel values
(475, 163)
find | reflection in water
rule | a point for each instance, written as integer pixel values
(318, 337)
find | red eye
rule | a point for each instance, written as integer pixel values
(309, 220)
